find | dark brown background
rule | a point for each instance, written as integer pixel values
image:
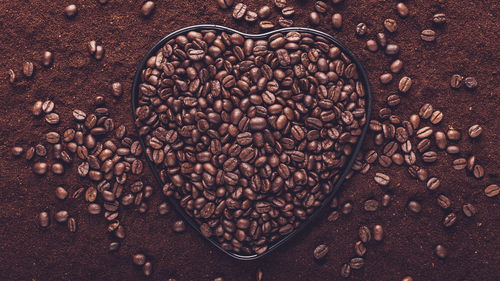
(467, 44)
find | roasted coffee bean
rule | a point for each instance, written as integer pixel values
(70, 10)
(456, 81)
(470, 83)
(390, 25)
(474, 131)
(43, 219)
(382, 179)
(347, 208)
(360, 248)
(453, 149)
(396, 66)
(147, 8)
(364, 234)
(469, 210)
(314, 18)
(57, 168)
(428, 35)
(453, 135)
(433, 183)
(385, 78)
(320, 251)
(345, 270)
(459, 164)
(12, 76)
(414, 206)
(402, 9)
(40, 168)
(337, 21)
(436, 117)
(441, 251)
(61, 216)
(443, 201)
(450, 220)
(72, 224)
(28, 69)
(239, 11)
(117, 89)
(179, 226)
(371, 205)
(440, 138)
(52, 118)
(429, 156)
(61, 193)
(404, 84)
(47, 59)
(439, 18)
(378, 232)
(335, 215)
(371, 45)
(147, 268)
(224, 4)
(251, 16)
(356, 263)
(280, 3)
(264, 12)
(139, 259)
(114, 246)
(492, 190)
(361, 29)
(266, 25)
(17, 150)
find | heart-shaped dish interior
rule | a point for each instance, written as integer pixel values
(250, 135)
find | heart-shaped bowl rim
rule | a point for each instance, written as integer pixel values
(338, 184)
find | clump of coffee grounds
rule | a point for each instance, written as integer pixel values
(466, 44)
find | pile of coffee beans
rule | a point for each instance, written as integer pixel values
(250, 136)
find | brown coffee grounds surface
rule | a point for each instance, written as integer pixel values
(468, 44)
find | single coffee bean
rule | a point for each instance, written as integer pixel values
(43, 219)
(70, 11)
(288, 11)
(320, 251)
(337, 21)
(492, 190)
(266, 25)
(320, 7)
(433, 183)
(371, 45)
(453, 134)
(280, 4)
(314, 18)
(396, 66)
(47, 59)
(478, 171)
(381, 39)
(456, 81)
(402, 9)
(424, 132)
(361, 29)
(264, 12)
(443, 201)
(364, 234)
(224, 4)
(469, 210)
(378, 232)
(61, 193)
(440, 138)
(94, 209)
(345, 270)
(429, 157)
(425, 111)
(239, 11)
(48, 106)
(450, 220)
(147, 269)
(439, 18)
(52, 118)
(335, 215)
(147, 8)
(139, 259)
(371, 205)
(179, 226)
(404, 84)
(436, 117)
(382, 179)
(360, 248)
(453, 149)
(61, 216)
(283, 22)
(356, 263)
(414, 206)
(117, 89)
(12, 76)
(40, 168)
(28, 69)
(114, 246)
(441, 251)
(57, 168)
(385, 78)
(17, 150)
(428, 35)
(392, 49)
(474, 131)
(251, 16)
(347, 208)
(72, 224)
(470, 83)
(390, 25)
(99, 52)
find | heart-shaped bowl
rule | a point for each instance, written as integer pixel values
(340, 179)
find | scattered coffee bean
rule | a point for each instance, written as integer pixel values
(474, 131)
(386, 200)
(239, 11)
(356, 263)
(11, 76)
(251, 16)
(396, 66)
(147, 8)
(43, 219)
(441, 251)
(266, 25)
(320, 251)
(450, 220)
(360, 248)
(470, 83)
(492, 190)
(382, 179)
(17, 150)
(433, 183)
(428, 35)
(288, 12)
(114, 246)
(439, 18)
(61, 216)
(47, 59)
(469, 210)
(378, 232)
(40, 168)
(364, 234)
(314, 18)
(117, 89)
(264, 12)
(381, 39)
(371, 205)
(28, 69)
(225, 4)
(320, 7)
(337, 21)
(70, 11)
(345, 270)
(147, 269)
(179, 226)
(347, 208)
(52, 118)
(478, 171)
(139, 259)
(414, 206)
(443, 201)
(361, 29)
(390, 25)
(72, 224)
(405, 84)
(285, 22)
(453, 149)
(371, 45)
(94, 209)
(385, 78)
(402, 9)
(280, 4)
(456, 81)
(453, 135)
